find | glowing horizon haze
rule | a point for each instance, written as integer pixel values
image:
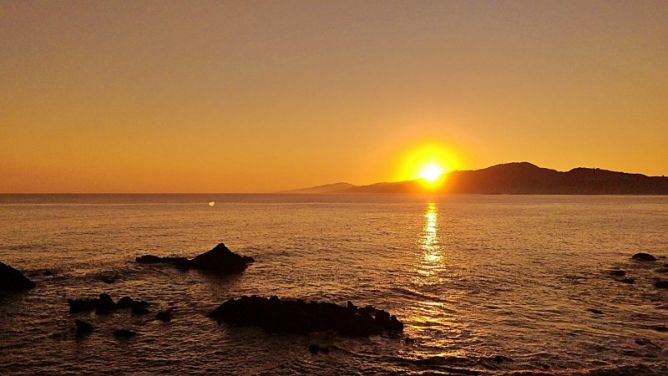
(237, 96)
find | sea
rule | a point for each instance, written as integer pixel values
(484, 284)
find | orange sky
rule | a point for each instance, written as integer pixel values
(255, 96)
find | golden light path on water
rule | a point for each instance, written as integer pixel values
(432, 256)
(434, 312)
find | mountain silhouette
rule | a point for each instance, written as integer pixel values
(520, 178)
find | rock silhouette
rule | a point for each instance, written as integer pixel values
(124, 333)
(165, 315)
(13, 280)
(104, 305)
(315, 348)
(82, 328)
(219, 260)
(301, 317)
(642, 256)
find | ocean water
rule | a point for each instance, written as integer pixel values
(484, 284)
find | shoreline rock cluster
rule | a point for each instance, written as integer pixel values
(302, 317)
(105, 305)
(642, 258)
(218, 260)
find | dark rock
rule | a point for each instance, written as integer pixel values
(13, 280)
(179, 262)
(124, 302)
(48, 273)
(661, 284)
(150, 259)
(314, 349)
(165, 315)
(82, 327)
(629, 281)
(300, 317)
(642, 256)
(105, 304)
(139, 307)
(82, 305)
(109, 279)
(408, 340)
(595, 311)
(501, 358)
(617, 273)
(219, 260)
(124, 333)
(660, 328)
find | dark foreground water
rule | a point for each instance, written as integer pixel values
(484, 284)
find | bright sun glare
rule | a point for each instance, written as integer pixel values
(429, 164)
(431, 172)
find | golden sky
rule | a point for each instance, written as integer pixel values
(259, 96)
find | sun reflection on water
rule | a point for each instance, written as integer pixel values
(434, 312)
(432, 256)
(430, 244)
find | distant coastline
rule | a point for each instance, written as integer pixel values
(518, 178)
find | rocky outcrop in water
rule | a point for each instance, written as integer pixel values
(13, 280)
(124, 333)
(82, 328)
(642, 256)
(179, 262)
(315, 348)
(104, 305)
(218, 260)
(301, 317)
(164, 316)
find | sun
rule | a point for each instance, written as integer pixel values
(428, 164)
(431, 172)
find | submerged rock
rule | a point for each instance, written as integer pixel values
(124, 302)
(219, 260)
(165, 315)
(136, 306)
(108, 279)
(301, 317)
(104, 305)
(82, 328)
(661, 284)
(48, 273)
(179, 262)
(617, 273)
(642, 256)
(629, 281)
(13, 280)
(139, 307)
(83, 305)
(124, 333)
(315, 348)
